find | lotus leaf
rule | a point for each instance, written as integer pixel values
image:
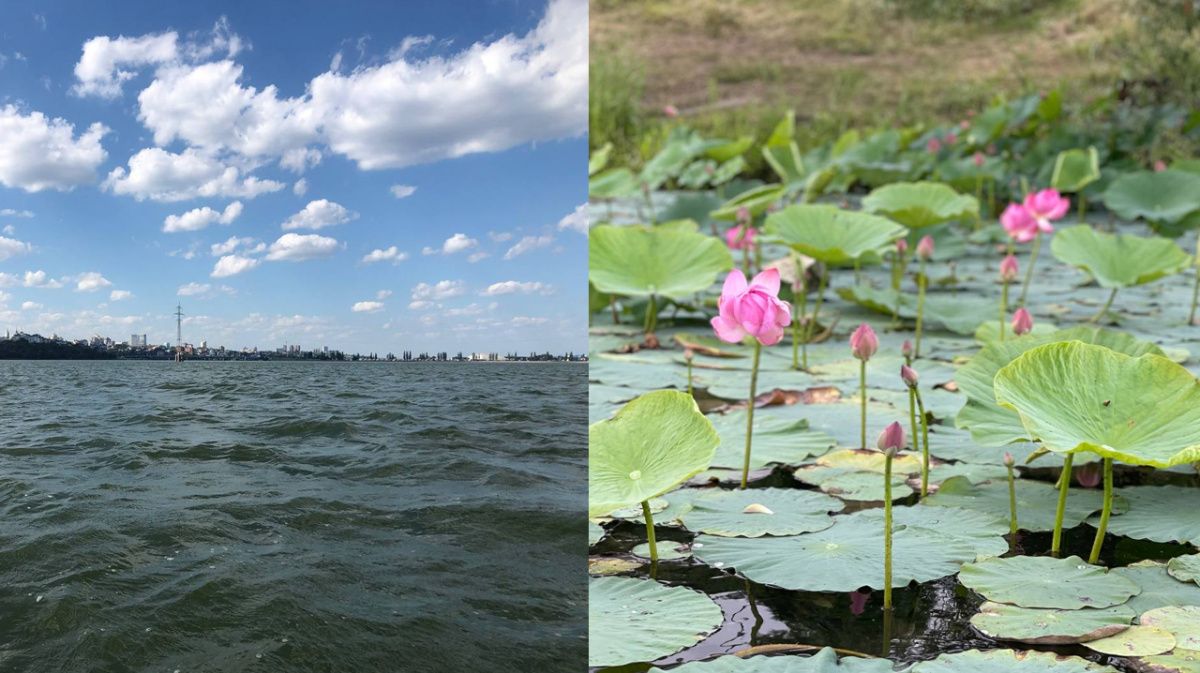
(824, 661)
(668, 550)
(989, 332)
(599, 159)
(611, 184)
(830, 234)
(982, 530)
(640, 261)
(1135, 641)
(853, 485)
(1177, 661)
(1165, 196)
(957, 314)
(755, 200)
(1159, 589)
(761, 511)
(1008, 661)
(654, 443)
(993, 425)
(1044, 582)
(775, 440)
(921, 204)
(786, 162)
(1183, 621)
(725, 150)
(1118, 260)
(1075, 169)
(1050, 627)
(842, 558)
(1185, 569)
(1036, 502)
(1143, 410)
(595, 533)
(600, 566)
(632, 620)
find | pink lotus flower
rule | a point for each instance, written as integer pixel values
(753, 309)
(738, 240)
(901, 246)
(978, 159)
(892, 437)
(670, 111)
(1088, 475)
(1046, 205)
(1019, 224)
(925, 247)
(1159, 166)
(743, 215)
(1022, 322)
(934, 145)
(990, 149)
(1009, 269)
(964, 125)
(858, 602)
(909, 376)
(951, 138)
(864, 343)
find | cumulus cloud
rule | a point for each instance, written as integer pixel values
(319, 214)
(300, 247)
(517, 287)
(38, 153)
(192, 289)
(11, 247)
(402, 191)
(383, 294)
(443, 289)
(91, 281)
(159, 175)
(528, 244)
(30, 306)
(119, 295)
(458, 243)
(10, 212)
(232, 265)
(40, 279)
(301, 187)
(367, 307)
(199, 218)
(391, 254)
(233, 243)
(526, 320)
(478, 256)
(100, 72)
(577, 221)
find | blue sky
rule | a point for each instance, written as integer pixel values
(370, 176)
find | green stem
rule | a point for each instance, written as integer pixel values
(887, 532)
(651, 320)
(745, 255)
(920, 309)
(750, 412)
(1037, 243)
(862, 377)
(857, 272)
(924, 443)
(650, 209)
(1195, 296)
(796, 328)
(1003, 309)
(612, 302)
(1096, 318)
(1103, 527)
(650, 531)
(978, 199)
(1082, 207)
(992, 198)
(812, 324)
(689, 366)
(1012, 503)
(1063, 484)
(912, 414)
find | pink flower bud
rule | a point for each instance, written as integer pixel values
(688, 354)
(1008, 459)
(906, 350)
(909, 375)
(753, 309)
(964, 125)
(670, 111)
(990, 149)
(864, 343)
(1009, 269)
(891, 439)
(978, 159)
(743, 215)
(739, 237)
(901, 246)
(1159, 166)
(1022, 322)
(1088, 475)
(925, 247)
(951, 138)
(934, 145)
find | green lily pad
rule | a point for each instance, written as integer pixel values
(993, 425)
(1044, 582)
(824, 661)
(959, 314)
(1159, 589)
(920, 204)
(1135, 641)
(1185, 568)
(755, 200)
(603, 566)
(842, 558)
(599, 159)
(1160, 514)
(1166, 196)
(638, 261)
(611, 184)
(632, 620)
(1036, 502)
(775, 440)
(1050, 627)
(1177, 661)
(981, 530)
(653, 444)
(830, 234)
(595, 533)
(1008, 661)
(1143, 411)
(854, 485)
(761, 511)
(1075, 169)
(1118, 260)
(1183, 621)
(989, 332)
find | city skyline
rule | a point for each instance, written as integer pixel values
(290, 181)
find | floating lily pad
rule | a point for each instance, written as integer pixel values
(761, 511)
(640, 261)
(989, 332)
(983, 531)
(668, 550)
(959, 314)
(603, 566)
(1164, 196)
(595, 533)
(653, 444)
(920, 204)
(830, 234)
(776, 440)
(854, 485)
(1008, 661)
(1185, 569)
(1177, 661)
(842, 558)
(1135, 641)
(1036, 502)
(1183, 621)
(632, 620)
(993, 425)
(1143, 411)
(1118, 260)
(1159, 589)
(824, 661)
(1050, 627)
(1159, 513)
(1044, 582)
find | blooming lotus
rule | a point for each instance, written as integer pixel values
(739, 237)
(1045, 206)
(753, 309)
(670, 111)
(1018, 223)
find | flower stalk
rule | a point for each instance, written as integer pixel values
(1107, 305)
(1064, 482)
(750, 412)
(1102, 528)
(1012, 496)
(650, 531)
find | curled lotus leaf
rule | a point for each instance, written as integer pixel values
(824, 660)
(1008, 661)
(1185, 568)
(1050, 626)
(1142, 411)
(920, 204)
(595, 533)
(761, 511)
(1075, 169)
(830, 234)
(755, 200)
(1135, 641)
(1044, 582)
(1118, 260)
(633, 620)
(642, 261)
(1159, 589)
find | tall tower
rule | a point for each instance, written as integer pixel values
(179, 325)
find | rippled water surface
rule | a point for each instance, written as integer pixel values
(232, 516)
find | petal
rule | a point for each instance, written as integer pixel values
(727, 332)
(770, 336)
(768, 280)
(1059, 209)
(735, 284)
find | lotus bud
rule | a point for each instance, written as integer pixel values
(934, 145)
(688, 354)
(1159, 166)
(964, 125)
(951, 138)
(978, 159)
(925, 247)
(743, 215)
(1009, 269)
(864, 343)
(909, 375)
(1008, 459)
(891, 439)
(1022, 322)
(907, 350)
(901, 246)
(670, 110)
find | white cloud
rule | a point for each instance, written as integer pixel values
(443, 289)
(318, 214)
(301, 187)
(91, 281)
(300, 159)
(11, 247)
(159, 175)
(10, 212)
(30, 306)
(429, 251)
(421, 305)
(231, 244)
(38, 153)
(499, 237)
(391, 254)
(367, 307)
(99, 70)
(297, 247)
(472, 309)
(9, 230)
(478, 256)
(458, 243)
(383, 294)
(199, 218)
(402, 191)
(526, 320)
(40, 279)
(528, 244)
(193, 289)
(515, 287)
(232, 265)
(576, 221)
(118, 295)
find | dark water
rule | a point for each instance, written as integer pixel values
(291, 517)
